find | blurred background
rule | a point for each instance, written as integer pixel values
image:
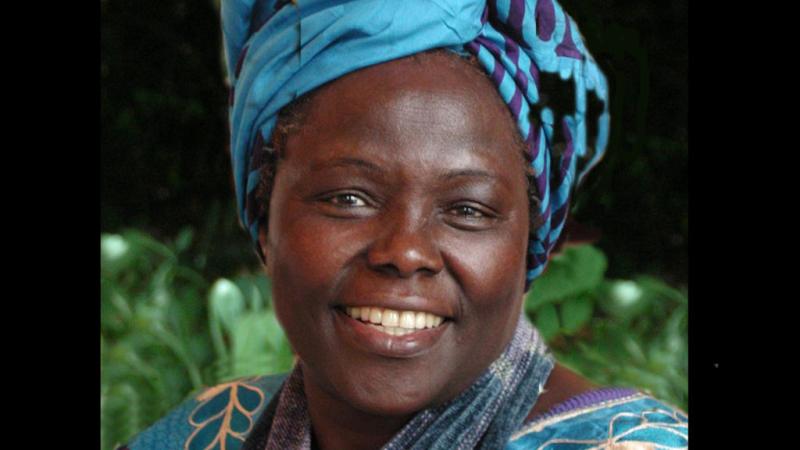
(184, 304)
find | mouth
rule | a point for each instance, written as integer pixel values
(390, 333)
(393, 322)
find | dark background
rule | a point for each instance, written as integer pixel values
(164, 132)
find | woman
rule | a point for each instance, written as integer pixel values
(404, 178)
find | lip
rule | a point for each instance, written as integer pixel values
(371, 340)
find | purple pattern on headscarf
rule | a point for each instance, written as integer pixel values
(255, 208)
(240, 61)
(545, 19)
(516, 102)
(512, 50)
(559, 215)
(567, 47)
(498, 73)
(569, 151)
(541, 181)
(565, 161)
(472, 46)
(535, 75)
(516, 14)
(493, 49)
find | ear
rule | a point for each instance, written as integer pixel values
(263, 245)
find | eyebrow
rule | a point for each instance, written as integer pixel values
(372, 167)
(345, 162)
(466, 173)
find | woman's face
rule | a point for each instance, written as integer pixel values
(404, 192)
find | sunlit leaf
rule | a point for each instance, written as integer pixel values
(623, 300)
(227, 302)
(113, 250)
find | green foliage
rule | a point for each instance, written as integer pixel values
(166, 331)
(615, 332)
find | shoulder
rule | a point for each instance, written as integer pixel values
(608, 417)
(222, 414)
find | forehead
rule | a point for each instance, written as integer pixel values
(433, 112)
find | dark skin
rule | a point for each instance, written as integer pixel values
(404, 189)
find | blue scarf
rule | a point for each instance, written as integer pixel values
(278, 50)
(484, 416)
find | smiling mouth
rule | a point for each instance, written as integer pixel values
(394, 322)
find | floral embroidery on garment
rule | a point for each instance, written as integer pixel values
(633, 423)
(224, 416)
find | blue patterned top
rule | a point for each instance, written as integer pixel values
(222, 417)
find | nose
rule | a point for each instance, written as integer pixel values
(406, 246)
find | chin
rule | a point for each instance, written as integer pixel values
(390, 404)
(389, 393)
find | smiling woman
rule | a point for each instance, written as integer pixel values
(414, 146)
(393, 167)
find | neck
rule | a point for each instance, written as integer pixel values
(337, 425)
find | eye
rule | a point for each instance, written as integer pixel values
(346, 200)
(468, 212)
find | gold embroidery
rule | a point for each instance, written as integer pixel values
(234, 405)
(615, 442)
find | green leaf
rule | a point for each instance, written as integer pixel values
(546, 321)
(656, 287)
(144, 242)
(114, 253)
(575, 313)
(255, 340)
(226, 302)
(623, 300)
(250, 284)
(577, 270)
(184, 239)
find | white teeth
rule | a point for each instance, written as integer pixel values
(407, 319)
(393, 322)
(419, 320)
(375, 315)
(391, 318)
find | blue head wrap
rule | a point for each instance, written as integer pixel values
(278, 50)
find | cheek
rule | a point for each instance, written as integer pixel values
(491, 271)
(311, 259)
(489, 268)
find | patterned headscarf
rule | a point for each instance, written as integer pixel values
(278, 50)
